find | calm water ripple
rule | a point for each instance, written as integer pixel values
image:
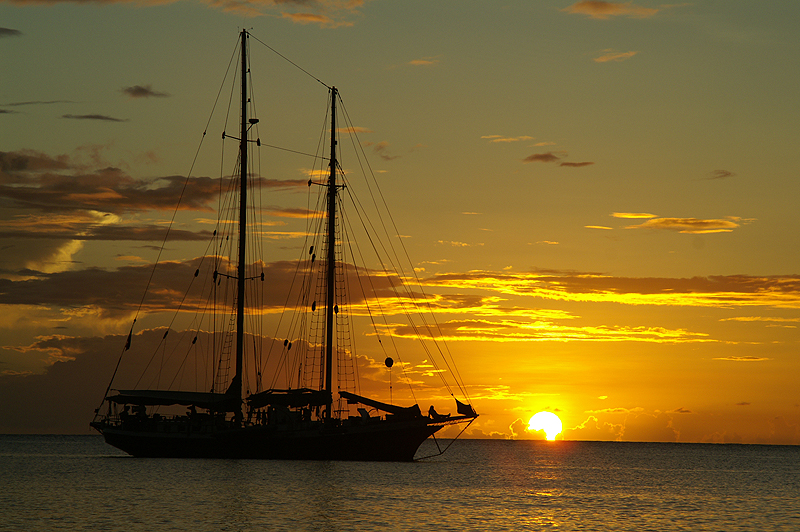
(78, 483)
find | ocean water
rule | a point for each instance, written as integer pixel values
(79, 483)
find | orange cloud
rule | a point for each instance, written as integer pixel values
(428, 61)
(689, 225)
(603, 10)
(743, 359)
(500, 138)
(714, 291)
(632, 215)
(614, 56)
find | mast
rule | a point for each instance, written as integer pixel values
(331, 273)
(236, 383)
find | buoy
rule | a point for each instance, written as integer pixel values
(389, 362)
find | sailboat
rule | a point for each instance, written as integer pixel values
(317, 414)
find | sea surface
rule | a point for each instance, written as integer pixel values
(79, 483)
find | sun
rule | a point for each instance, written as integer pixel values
(546, 421)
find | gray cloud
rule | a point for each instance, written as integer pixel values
(8, 32)
(105, 118)
(142, 91)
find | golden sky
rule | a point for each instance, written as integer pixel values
(599, 198)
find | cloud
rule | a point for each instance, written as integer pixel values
(353, 130)
(548, 157)
(614, 56)
(105, 118)
(456, 244)
(690, 225)
(632, 215)
(541, 328)
(743, 359)
(500, 138)
(743, 404)
(714, 291)
(599, 227)
(13, 104)
(8, 112)
(8, 32)
(142, 91)
(31, 179)
(381, 148)
(720, 174)
(597, 9)
(325, 13)
(427, 61)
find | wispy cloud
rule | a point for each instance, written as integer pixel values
(8, 32)
(425, 61)
(611, 55)
(325, 13)
(548, 157)
(603, 10)
(714, 291)
(64, 183)
(598, 227)
(35, 102)
(720, 174)
(632, 215)
(142, 91)
(104, 118)
(353, 129)
(456, 244)
(743, 359)
(382, 149)
(501, 138)
(691, 225)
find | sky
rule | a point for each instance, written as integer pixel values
(600, 197)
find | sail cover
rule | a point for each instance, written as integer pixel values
(290, 398)
(405, 411)
(211, 401)
(465, 410)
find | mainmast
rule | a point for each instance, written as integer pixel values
(236, 383)
(329, 307)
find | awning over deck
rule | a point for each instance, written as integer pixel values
(212, 401)
(290, 398)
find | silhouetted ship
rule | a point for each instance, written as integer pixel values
(302, 419)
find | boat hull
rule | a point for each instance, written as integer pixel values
(381, 441)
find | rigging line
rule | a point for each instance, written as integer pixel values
(295, 151)
(309, 223)
(455, 372)
(410, 295)
(347, 223)
(356, 203)
(174, 214)
(306, 72)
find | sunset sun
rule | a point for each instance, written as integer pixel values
(546, 421)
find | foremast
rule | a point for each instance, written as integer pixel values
(331, 260)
